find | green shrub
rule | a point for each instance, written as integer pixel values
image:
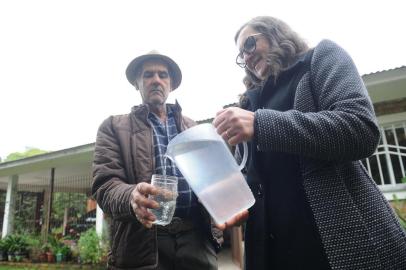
(34, 241)
(16, 243)
(89, 247)
(3, 245)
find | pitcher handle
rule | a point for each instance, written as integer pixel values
(245, 156)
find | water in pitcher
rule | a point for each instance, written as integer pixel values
(216, 181)
(225, 190)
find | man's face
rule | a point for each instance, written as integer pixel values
(154, 83)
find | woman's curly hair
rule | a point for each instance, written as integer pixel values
(285, 44)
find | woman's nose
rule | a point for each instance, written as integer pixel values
(247, 57)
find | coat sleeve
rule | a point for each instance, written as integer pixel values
(109, 187)
(343, 128)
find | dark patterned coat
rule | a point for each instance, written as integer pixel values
(331, 127)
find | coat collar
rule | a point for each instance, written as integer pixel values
(141, 111)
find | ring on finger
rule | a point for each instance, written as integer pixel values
(228, 135)
(140, 219)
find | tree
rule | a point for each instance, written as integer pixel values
(28, 153)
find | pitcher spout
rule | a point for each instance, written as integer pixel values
(169, 152)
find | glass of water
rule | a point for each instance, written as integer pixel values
(166, 197)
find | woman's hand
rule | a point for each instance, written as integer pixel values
(235, 125)
(237, 220)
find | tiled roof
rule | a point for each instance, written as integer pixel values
(381, 71)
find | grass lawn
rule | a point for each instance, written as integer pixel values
(13, 268)
(4, 267)
(7, 267)
(51, 267)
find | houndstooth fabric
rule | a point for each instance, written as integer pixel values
(331, 127)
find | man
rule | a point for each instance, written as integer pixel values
(129, 149)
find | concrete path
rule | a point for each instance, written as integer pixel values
(225, 260)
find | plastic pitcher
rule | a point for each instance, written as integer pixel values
(208, 166)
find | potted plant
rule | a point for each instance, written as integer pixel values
(43, 253)
(34, 248)
(18, 255)
(50, 256)
(11, 253)
(75, 256)
(11, 242)
(62, 253)
(3, 250)
(59, 256)
(20, 247)
(89, 247)
(47, 251)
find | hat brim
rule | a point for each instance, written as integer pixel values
(174, 70)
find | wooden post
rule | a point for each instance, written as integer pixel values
(236, 246)
(38, 204)
(48, 206)
(65, 221)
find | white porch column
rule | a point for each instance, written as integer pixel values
(388, 159)
(8, 220)
(100, 223)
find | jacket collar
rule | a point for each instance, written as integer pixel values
(297, 64)
(300, 59)
(142, 110)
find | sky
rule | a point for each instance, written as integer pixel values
(62, 63)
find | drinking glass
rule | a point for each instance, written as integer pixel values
(166, 197)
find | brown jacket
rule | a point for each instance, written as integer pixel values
(124, 157)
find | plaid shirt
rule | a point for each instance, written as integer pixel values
(163, 133)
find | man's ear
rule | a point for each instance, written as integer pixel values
(171, 85)
(136, 84)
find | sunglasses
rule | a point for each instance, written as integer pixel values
(249, 47)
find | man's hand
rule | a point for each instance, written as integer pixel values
(237, 220)
(140, 203)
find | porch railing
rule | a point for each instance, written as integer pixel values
(388, 164)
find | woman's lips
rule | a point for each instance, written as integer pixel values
(254, 62)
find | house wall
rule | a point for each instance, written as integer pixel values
(390, 107)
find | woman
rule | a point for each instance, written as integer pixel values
(309, 121)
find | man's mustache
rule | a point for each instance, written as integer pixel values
(157, 88)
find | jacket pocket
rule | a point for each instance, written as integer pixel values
(133, 245)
